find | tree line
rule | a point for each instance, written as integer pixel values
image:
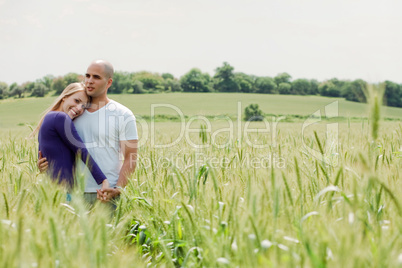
(225, 79)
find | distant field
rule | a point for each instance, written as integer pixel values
(18, 112)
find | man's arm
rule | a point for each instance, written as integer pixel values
(129, 151)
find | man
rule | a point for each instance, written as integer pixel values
(109, 132)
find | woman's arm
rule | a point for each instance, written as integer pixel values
(67, 131)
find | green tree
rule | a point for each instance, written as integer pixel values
(196, 81)
(245, 82)
(253, 113)
(150, 81)
(138, 87)
(172, 85)
(336, 89)
(265, 85)
(225, 79)
(282, 78)
(301, 87)
(73, 78)
(58, 85)
(12, 86)
(354, 91)
(285, 88)
(16, 90)
(46, 80)
(393, 94)
(3, 90)
(329, 89)
(121, 83)
(28, 86)
(39, 90)
(338, 83)
(167, 76)
(314, 87)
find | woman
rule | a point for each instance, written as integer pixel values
(59, 141)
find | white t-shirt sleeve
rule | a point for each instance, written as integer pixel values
(128, 127)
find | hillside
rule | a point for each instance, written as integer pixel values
(17, 112)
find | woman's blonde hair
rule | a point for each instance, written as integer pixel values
(68, 91)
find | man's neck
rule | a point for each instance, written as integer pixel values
(98, 103)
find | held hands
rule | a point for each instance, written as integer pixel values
(42, 163)
(105, 194)
(100, 195)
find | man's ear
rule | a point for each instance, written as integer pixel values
(109, 82)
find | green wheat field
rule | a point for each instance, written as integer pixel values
(216, 191)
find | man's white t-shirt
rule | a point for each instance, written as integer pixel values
(102, 132)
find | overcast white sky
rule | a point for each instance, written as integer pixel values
(319, 39)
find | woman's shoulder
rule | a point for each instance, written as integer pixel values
(56, 115)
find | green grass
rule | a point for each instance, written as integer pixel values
(226, 205)
(15, 113)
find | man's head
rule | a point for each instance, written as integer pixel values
(99, 78)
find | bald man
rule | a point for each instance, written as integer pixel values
(109, 132)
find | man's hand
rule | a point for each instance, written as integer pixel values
(105, 195)
(129, 150)
(42, 163)
(100, 195)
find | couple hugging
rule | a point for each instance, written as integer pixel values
(83, 121)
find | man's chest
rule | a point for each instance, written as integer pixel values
(98, 130)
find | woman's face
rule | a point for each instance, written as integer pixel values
(74, 105)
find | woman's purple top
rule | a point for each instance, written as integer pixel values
(59, 142)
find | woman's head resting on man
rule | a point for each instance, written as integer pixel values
(72, 101)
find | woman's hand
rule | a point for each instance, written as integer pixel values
(105, 184)
(101, 195)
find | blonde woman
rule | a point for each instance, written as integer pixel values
(59, 142)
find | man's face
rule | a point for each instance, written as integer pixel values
(96, 81)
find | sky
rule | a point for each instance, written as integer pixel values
(314, 39)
